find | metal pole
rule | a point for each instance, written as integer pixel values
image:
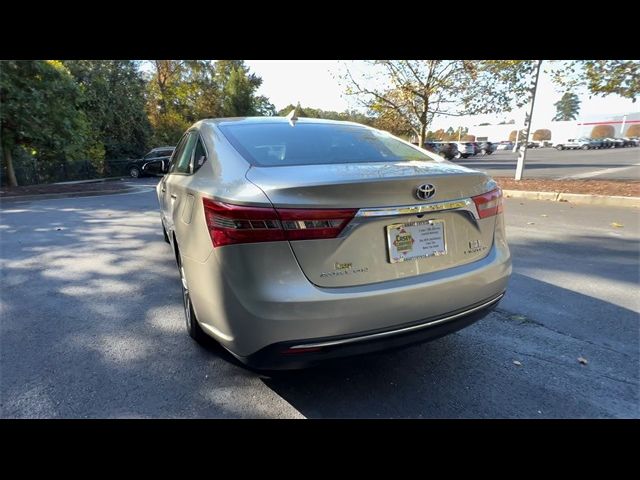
(624, 120)
(459, 131)
(522, 155)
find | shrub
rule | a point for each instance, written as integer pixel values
(542, 134)
(602, 131)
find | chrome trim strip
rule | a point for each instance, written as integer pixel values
(399, 331)
(461, 204)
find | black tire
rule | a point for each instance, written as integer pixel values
(134, 172)
(193, 327)
(559, 147)
(585, 147)
(483, 151)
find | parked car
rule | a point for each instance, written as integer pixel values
(486, 148)
(595, 143)
(575, 143)
(136, 168)
(606, 143)
(432, 147)
(617, 142)
(505, 146)
(631, 141)
(448, 150)
(465, 149)
(271, 249)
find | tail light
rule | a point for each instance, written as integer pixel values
(489, 204)
(230, 224)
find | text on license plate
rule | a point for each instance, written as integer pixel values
(408, 241)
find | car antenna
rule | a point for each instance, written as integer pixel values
(293, 118)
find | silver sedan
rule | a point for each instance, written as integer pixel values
(301, 240)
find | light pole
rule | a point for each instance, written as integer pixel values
(522, 155)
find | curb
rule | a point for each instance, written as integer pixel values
(51, 196)
(95, 180)
(578, 198)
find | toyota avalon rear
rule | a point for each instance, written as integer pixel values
(303, 240)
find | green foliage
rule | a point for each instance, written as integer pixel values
(346, 116)
(41, 110)
(600, 77)
(567, 107)
(602, 131)
(541, 135)
(181, 92)
(114, 101)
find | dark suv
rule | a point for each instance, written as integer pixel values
(135, 167)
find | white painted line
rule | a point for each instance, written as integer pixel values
(597, 172)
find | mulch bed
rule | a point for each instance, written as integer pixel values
(6, 192)
(621, 188)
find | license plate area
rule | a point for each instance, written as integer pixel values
(415, 240)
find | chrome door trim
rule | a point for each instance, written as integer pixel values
(463, 204)
(398, 331)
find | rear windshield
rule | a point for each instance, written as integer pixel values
(280, 144)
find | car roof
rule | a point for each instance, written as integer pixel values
(266, 120)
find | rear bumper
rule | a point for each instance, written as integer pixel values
(249, 315)
(291, 355)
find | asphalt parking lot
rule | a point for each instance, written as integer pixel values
(609, 164)
(92, 327)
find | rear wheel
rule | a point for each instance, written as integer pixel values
(585, 147)
(559, 147)
(193, 327)
(134, 172)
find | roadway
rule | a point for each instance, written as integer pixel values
(604, 164)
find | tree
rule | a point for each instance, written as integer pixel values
(238, 88)
(484, 124)
(521, 136)
(567, 107)
(263, 107)
(601, 77)
(183, 92)
(602, 131)
(417, 90)
(113, 98)
(40, 111)
(541, 135)
(633, 131)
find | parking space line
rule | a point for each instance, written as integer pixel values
(598, 172)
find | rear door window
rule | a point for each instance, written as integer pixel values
(182, 159)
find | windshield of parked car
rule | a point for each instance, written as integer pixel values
(280, 144)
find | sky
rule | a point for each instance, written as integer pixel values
(314, 83)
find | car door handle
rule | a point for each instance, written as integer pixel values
(174, 196)
(163, 190)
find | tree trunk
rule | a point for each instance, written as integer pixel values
(423, 134)
(8, 158)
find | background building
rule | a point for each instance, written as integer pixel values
(609, 125)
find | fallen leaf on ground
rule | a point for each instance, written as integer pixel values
(518, 317)
(617, 225)
(583, 361)
(530, 223)
(544, 215)
(516, 362)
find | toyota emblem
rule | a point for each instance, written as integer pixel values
(425, 191)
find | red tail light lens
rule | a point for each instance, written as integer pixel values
(230, 224)
(489, 204)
